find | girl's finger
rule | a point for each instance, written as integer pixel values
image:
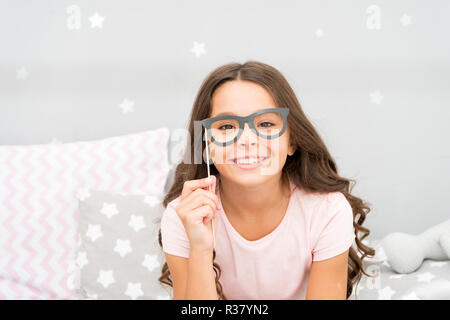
(191, 185)
(196, 200)
(200, 193)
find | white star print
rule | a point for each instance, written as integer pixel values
(319, 33)
(151, 262)
(137, 222)
(385, 293)
(406, 20)
(96, 20)
(105, 278)
(198, 49)
(134, 290)
(376, 97)
(127, 106)
(83, 194)
(152, 200)
(82, 259)
(411, 296)
(94, 231)
(425, 277)
(123, 247)
(109, 210)
(22, 73)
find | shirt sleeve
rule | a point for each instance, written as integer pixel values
(337, 233)
(173, 235)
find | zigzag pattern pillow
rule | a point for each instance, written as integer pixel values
(39, 190)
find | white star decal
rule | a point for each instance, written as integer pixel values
(22, 73)
(96, 20)
(152, 200)
(109, 210)
(127, 106)
(425, 277)
(376, 97)
(123, 247)
(83, 194)
(94, 231)
(198, 49)
(134, 290)
(406, 20)
(82, 259)
(105, 278)
(385, 293)
(151, 262)
(137, 222)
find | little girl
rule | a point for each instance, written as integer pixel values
(284, 220)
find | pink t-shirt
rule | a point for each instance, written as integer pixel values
(315, 227)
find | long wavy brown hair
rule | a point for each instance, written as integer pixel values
(311, 167)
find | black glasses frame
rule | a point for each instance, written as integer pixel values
(242, 120)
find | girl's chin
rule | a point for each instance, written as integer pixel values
(247, 177)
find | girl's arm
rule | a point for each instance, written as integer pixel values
(178, 271)
(328, 279)
(201, 283)
(195, 270)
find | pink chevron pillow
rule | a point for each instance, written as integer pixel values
(39, 190)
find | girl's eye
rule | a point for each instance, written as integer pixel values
(270, 123)
(225, 125)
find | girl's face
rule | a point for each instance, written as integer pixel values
(243, 98)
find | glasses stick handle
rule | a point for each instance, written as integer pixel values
(209, 187)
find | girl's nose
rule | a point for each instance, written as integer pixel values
(248, 136)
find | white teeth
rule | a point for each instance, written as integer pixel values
(248, 161)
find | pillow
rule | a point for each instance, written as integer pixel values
(119, 255)
(39, 185)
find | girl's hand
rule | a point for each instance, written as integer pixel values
(196, 209)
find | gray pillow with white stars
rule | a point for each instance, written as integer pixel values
(119, 257)
(430, 282)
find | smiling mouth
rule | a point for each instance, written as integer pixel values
(248, 160)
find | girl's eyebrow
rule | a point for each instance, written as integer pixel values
(233, 114)
(225, 113)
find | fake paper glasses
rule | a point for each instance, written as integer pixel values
(226, 129)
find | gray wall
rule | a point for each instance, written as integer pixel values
(396, 147)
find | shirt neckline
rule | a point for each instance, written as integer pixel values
(267, 237)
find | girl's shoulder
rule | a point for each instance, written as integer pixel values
(330, 196)
(313, 202)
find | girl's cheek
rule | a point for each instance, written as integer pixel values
(219, 156)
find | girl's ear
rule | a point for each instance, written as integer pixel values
(291, 149)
